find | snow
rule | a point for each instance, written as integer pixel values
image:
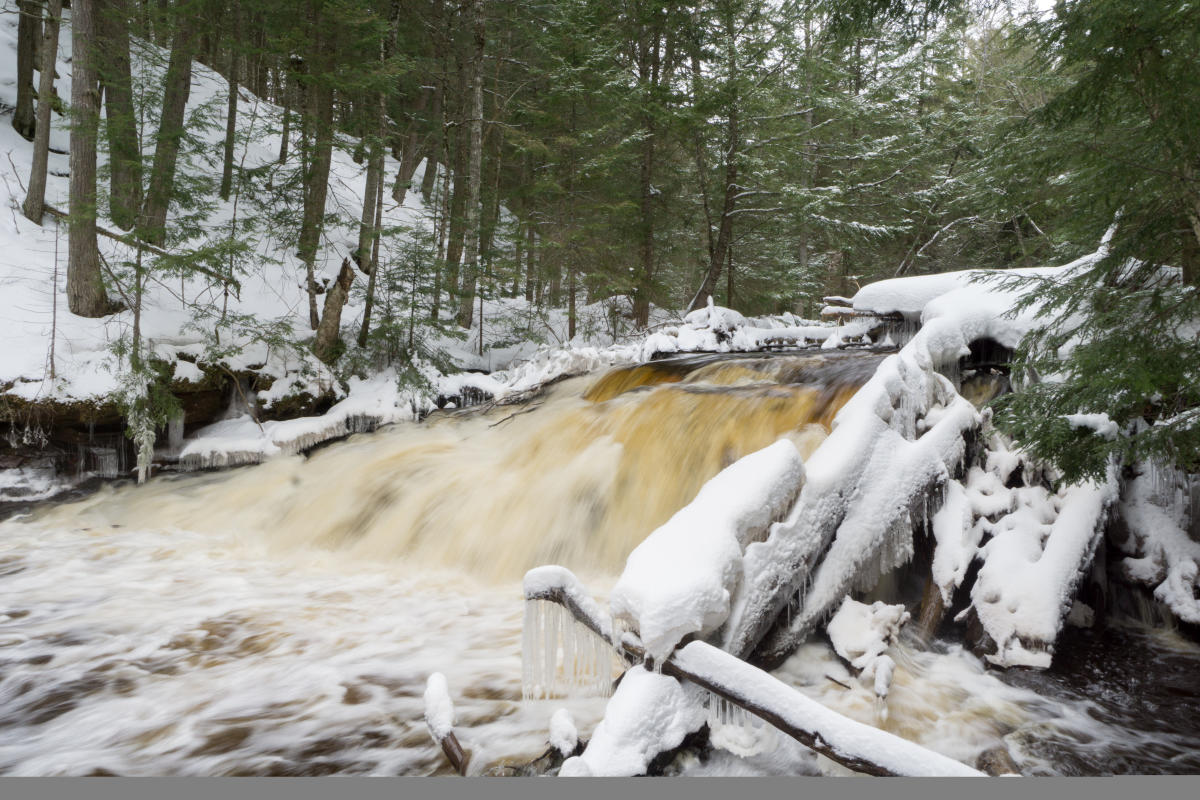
(956, 538)
(563, 736)
(1100, 424)
(846, 736)
(439, 708)
(892, 445)
(1038, 544)
(369, 403)
(649, 713)
(861, 634)
(678, 581)
(715, 329)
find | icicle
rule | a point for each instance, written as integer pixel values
(561, 657)
(735, 729)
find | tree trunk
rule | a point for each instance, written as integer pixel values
(125, 157)
(475, 160)
(410, 152)
(286, 133)
(35, 198)
(725, 231)
(230, 123)
(85, 285)
(316, 175)
(531, 264)
(23, 116)
(458, 199)
(326, 345)
(1191, 249)
(720, 247)
(433, 151)
(373, 272)
(176, 88)
(366, 225)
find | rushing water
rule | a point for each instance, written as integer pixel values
(282, 619)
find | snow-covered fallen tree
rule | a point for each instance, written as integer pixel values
(653, 711)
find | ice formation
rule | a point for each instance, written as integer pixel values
(561, 657)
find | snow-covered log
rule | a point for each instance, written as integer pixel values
(1040, 548)
(647, 715)
(852, 744)
(898, 441)
(678, 582)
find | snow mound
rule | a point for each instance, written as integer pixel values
(242, 440)
(862, 634)
(563, 736)
(650, 713)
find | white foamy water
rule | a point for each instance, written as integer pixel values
(168, 652)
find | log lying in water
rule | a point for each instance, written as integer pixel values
(852, 744)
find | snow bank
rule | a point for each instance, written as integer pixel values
(722, 330)
(678, 581)
(650, 713)
(369, 404)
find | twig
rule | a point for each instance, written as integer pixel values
(517, 413)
